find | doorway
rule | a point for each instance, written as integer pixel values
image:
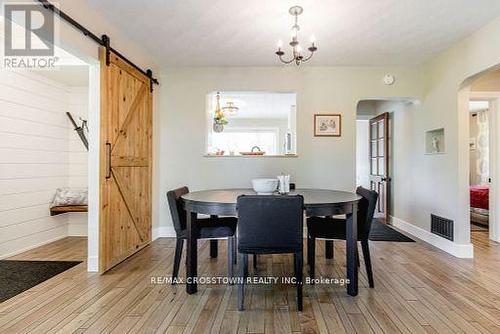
(479, 176)
(377, 151)
(483, 102)
(45, 164)
(44, 171)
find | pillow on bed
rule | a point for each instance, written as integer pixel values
(70, 196)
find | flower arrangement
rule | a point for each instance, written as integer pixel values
(219, 117)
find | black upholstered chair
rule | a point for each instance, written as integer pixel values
(212, 228)
(335, 229)
(270, 225)
(292, 188)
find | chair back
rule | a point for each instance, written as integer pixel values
(366, 210)
(177, 209)
(270, 224)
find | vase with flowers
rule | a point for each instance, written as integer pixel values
(219, 117)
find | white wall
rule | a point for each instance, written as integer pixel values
(440, 182)
(362, 154)
(34, 159)
(321, 162)
(78, 101)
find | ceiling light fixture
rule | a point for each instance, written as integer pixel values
(230, 108)
(294, 43)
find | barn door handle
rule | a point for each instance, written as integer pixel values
(385, 179)
(108, 160)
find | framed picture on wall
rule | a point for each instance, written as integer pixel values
(327, 125)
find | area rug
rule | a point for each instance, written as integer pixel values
(383, 232)
(19, 276)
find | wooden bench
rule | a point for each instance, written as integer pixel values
(58, 210)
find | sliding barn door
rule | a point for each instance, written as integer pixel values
(125, 180)
(379, 162)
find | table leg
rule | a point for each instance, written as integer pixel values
(352, 249)
(213, 242)
(192, 253)
(329, 249)
(213, 248)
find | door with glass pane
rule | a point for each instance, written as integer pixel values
(379, 161)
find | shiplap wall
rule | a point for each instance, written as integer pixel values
(35, 156)
(78, 157)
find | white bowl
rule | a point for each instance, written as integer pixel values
(265, 186)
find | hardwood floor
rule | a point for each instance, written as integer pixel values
(418, 289)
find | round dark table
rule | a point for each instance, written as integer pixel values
(317, 202)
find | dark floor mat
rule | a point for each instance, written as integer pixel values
(383, 232)
(19, 276)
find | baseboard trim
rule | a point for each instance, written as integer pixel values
(465, 251)
(163, 232)
(32, 247)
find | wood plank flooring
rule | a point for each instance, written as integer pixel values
(418, 289)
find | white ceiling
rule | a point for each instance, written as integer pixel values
(348, 32)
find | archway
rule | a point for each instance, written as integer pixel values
(479, 103)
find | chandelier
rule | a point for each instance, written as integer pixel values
(230, 108)
(297, 55)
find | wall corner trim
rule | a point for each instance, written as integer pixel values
(465, 251)
(92, 264)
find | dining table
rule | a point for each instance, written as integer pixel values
(317, 202)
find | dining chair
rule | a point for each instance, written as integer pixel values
(292, 188)
(212, 228)
(329, 228)
(269, 224)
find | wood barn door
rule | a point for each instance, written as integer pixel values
(379, 161)
(125, 172)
